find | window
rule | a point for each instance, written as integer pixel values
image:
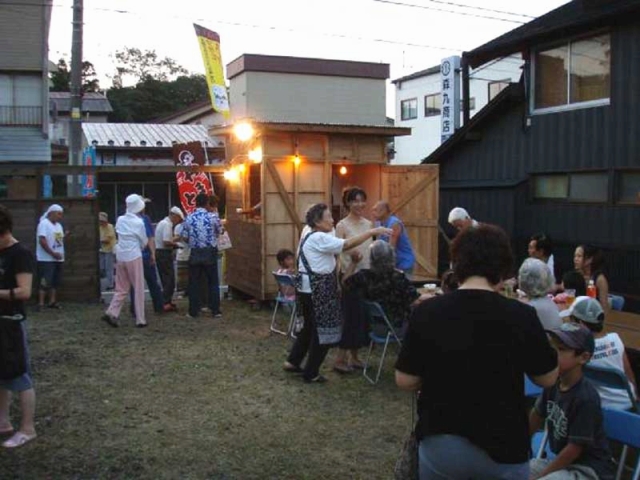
(409, 109)
(432, 105)
(576, 187)
(574, 73)
(472, 104)
(496, 87)
(629, 187)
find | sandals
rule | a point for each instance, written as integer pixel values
(342, 369)
(18, 439)
(291, 368)
(357, 365)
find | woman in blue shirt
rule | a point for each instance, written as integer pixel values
(399, 240)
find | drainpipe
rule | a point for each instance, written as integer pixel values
(464, 66)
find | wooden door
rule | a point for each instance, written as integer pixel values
(412, 193)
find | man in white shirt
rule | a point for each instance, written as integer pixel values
(50, 254)
(166, 242)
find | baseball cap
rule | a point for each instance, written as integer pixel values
(177, 211)
(586, 309)
(574, 336)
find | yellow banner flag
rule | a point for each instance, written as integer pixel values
(210, 47)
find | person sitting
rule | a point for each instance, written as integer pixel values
(449, 282)
(535, 280)
(286, 260)
(588, 260)
(575, 281)
(573, 414)
(541, 247)
(382, 282)
(609, 350)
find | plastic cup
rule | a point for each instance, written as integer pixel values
(571, 296)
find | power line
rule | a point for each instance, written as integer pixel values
(484, 9)
(424, 7)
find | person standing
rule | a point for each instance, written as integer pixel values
(132, 238)
(165, 245)
(16, 278)
(399, 240)
(201, 230)
(149, 265)
(107, 258)
(50, 255)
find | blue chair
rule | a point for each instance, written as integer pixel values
(530, 388)
(623, 427)
(284, 280)
(611, 378)
(616, 302)
(382, 333)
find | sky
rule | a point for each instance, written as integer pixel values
(408, 38)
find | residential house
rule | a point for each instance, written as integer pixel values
(199, 113)
(146, 153)
(419, 103)
(24, 126)
(95, 109)
(559, 152)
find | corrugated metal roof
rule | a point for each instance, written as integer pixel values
(91, 102)
(420, 74)
(141, 135)
(24, 145)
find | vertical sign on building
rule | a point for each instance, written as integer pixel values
(89, 180)
(210, 48)
(450, 114)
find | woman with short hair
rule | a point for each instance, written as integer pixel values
(318, 294)
(16, 277)
(474, 341)
(536, 280)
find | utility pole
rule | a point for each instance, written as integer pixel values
(75, 124)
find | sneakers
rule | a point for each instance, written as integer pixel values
(217, 315)
(318, 379)
(141, 325)
(110, 320)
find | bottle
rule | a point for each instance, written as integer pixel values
(591, 289)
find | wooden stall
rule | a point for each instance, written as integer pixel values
(285, 168)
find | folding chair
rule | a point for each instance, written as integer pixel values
(611, 378)
(623, 427)
(530, 388)
(382, 333)
(616, 302)
(284, 280)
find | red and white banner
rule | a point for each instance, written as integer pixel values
(190, 184)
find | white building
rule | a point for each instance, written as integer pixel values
(418, 104)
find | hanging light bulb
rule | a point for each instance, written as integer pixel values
(255, 155)
(241, 168)
(296, 160)
(343, 170)
(243, 131)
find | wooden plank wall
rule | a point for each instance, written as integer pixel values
(81, 277)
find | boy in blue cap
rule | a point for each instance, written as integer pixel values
(573, 415)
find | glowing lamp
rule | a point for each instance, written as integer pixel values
(241, 168)
(255, 155)
(296, 160)
(231, 175)
(343, 170)
(243, 131)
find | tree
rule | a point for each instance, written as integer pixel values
(144, 65)
(153, 98)
(61, 80)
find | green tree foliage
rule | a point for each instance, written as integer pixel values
(144, 65)
(152, 98)
(61, 80)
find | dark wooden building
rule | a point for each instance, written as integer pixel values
(560, 151)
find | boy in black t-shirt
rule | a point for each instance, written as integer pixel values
(573, 415)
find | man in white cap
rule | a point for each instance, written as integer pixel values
(460, 219)
(166, 243)
(50, 254)
(132, 238)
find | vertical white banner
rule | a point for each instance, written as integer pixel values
(450, 113)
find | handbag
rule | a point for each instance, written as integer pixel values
(13, 359)
(224, 241)
(406, 467)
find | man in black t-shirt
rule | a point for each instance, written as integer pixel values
(573, 416)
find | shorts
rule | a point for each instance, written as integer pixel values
(24, 381)
(49, 274)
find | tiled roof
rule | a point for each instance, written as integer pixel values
(136, 135)
(91, 102)
(24, 145)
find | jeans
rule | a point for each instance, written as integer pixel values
(151, 277)
(164, 259)
(307, 342)
(203, 268)
(451, 457)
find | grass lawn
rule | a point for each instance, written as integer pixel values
(197, 399)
